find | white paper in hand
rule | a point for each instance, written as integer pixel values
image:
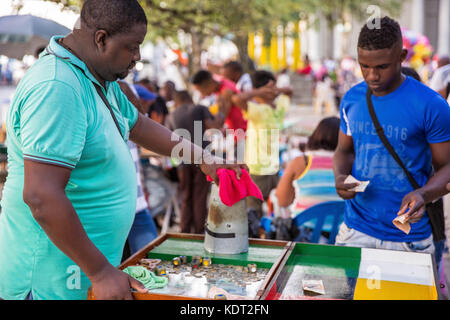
(402, 223)
(361, 187)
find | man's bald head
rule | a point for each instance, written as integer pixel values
(114, 16)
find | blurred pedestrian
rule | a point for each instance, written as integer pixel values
(234, 71)
(309, 178)
(283, 79)
(167, 91)
(266, 106)
(143, 230)
(193, 186)
(324, 96)
(224, 90)
(440, 81)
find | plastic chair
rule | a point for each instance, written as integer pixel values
(265, 223)
(326, 216)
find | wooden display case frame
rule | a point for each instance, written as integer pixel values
(134, 259)
(291, 251)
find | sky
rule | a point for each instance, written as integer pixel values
(42, 9)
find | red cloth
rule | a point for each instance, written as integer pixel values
(232, 190)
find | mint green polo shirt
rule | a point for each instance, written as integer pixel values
(57, 117)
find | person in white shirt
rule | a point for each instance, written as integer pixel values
(233, 71)
(441, 77)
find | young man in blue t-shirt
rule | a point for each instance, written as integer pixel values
(416, 121)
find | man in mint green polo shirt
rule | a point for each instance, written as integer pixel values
(69, 199)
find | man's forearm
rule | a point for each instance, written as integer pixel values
(435, 188)
(241, 99)
(161, 140)
(152, 136)
(343, 162)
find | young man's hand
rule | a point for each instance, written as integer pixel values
(343, 188)
(268, 92)
(415, 203)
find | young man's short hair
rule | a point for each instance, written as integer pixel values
(201, 77)
(262, 77)
(384, 37)
(114, 16)
(183, 96)
(235, 66)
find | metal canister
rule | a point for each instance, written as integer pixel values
(160, 271)
(196, 260)
(176, 261)
(183, 259)
(252, 268)
(206, 262)
(220, 297)
(226, 226)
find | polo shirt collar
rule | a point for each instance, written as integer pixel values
(55, 48)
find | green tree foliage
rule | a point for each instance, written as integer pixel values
(200, 20)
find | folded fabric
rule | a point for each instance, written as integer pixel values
(146, 277)
(232, 190)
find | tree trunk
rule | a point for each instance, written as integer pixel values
(197, 40)
(241, 42)
(330, 36)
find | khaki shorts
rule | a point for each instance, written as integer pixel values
(352, 238)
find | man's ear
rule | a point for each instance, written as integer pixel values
(403, 55)
(100, 38)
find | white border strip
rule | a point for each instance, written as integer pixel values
(399, 266)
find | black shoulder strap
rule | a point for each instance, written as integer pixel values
(97, 88)
(385, 141)
(447, 91)
(105, 100)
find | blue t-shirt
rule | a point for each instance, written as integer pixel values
(413, 116)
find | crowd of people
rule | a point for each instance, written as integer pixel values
(75, 193)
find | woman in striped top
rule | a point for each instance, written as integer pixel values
(309, 179)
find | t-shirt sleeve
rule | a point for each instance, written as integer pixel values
(283, 103)
(53, 124)
(253, 111)
(344, 126)
(437, 120)
(128, 110)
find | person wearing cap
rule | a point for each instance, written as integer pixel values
(153, 105)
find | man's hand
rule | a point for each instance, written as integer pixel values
(415, 203)
(268, 92)
(343, 188)
(211, 169)
(113, 284)
(448, 186)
